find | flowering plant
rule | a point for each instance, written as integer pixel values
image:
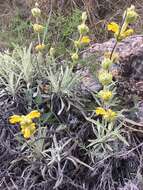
(83, 38)
(28, 127)
(110, 122)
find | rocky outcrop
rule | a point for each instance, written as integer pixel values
(130, 66)
(130, 53)
(128, 71)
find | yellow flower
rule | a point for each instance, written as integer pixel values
(15, 119)
(106, 63)
(127, 33)
(110, 115)
(24, 118)
(105, 77)
(33, 114)
(85, 40)
(105, 95)
(26, 123)
(28, 130)
(100, 111)
(114, 27)
(38, 28)
(40, 47)
(83, 29)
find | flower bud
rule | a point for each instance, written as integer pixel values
(100, 111)
(127, 33)
(77, 44)
(84, 17)
(52, 52)
(110, 115)
(105, 78)
(38, 28)
(36, 12)
(131, 14)
(106, 63)
(83, 29)
(36, 4)
(74, 56)
(114, 58)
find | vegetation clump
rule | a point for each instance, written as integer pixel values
(52, 135)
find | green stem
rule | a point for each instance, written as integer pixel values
(48, 21)
(39, 40)
(123, 25)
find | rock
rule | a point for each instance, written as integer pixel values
(129, 70)
(88, 82)
(130, 67)
(126, 47)
(130, 53)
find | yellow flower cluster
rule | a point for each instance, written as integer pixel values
(108, 114)
(130, 15)
(105, 95)
(83, 39)
(36, 12)
(28, 127)
(121, 32)
(40, 47)
(38, 28)
(83, 29)
(105, 77)
(74, 56)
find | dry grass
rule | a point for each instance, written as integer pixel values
(7, 10)
(99, 12)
